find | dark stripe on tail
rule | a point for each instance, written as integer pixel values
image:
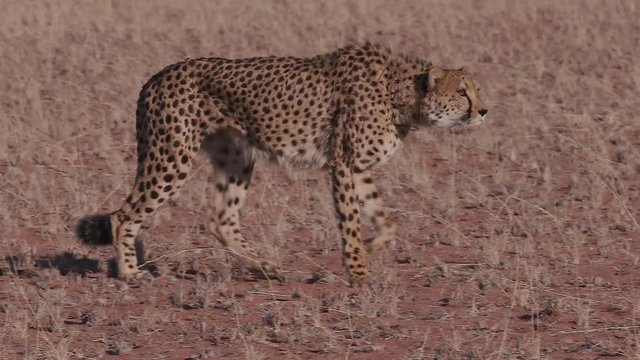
(94, 230)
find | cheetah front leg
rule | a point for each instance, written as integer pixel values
(372, 207)
(348, 212)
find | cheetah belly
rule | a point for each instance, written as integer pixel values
(306, 150)
(312, 158)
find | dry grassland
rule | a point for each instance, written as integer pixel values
(519, 240)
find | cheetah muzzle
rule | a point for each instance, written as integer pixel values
(346, 111)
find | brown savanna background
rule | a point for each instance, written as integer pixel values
(518, 240)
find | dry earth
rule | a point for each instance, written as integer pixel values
(519, 240)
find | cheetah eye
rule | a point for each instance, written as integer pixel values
(462, 92)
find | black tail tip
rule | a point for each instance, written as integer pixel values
(94, 230)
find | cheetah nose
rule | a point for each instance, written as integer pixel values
(483, 112)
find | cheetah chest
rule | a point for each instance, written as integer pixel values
(378, 149)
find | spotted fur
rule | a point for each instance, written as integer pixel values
(347, 111)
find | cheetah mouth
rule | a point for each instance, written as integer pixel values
(466, 119)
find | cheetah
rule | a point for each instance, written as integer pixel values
(346, 111)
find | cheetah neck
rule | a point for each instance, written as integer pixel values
(405, 96)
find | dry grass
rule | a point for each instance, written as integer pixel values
(518, 240)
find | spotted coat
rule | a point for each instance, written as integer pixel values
(347, 111)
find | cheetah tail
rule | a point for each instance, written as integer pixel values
(94, 230)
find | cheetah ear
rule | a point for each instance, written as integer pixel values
(434, 74)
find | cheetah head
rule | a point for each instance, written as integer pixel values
(449, 98)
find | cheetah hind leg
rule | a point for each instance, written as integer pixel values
(154, 185)
(233, 168)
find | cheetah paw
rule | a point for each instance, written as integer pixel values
(265, 270)
(359, 281)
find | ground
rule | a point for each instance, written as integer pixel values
(519, 239)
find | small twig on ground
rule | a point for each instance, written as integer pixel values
(17, 196)
(608, 328)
